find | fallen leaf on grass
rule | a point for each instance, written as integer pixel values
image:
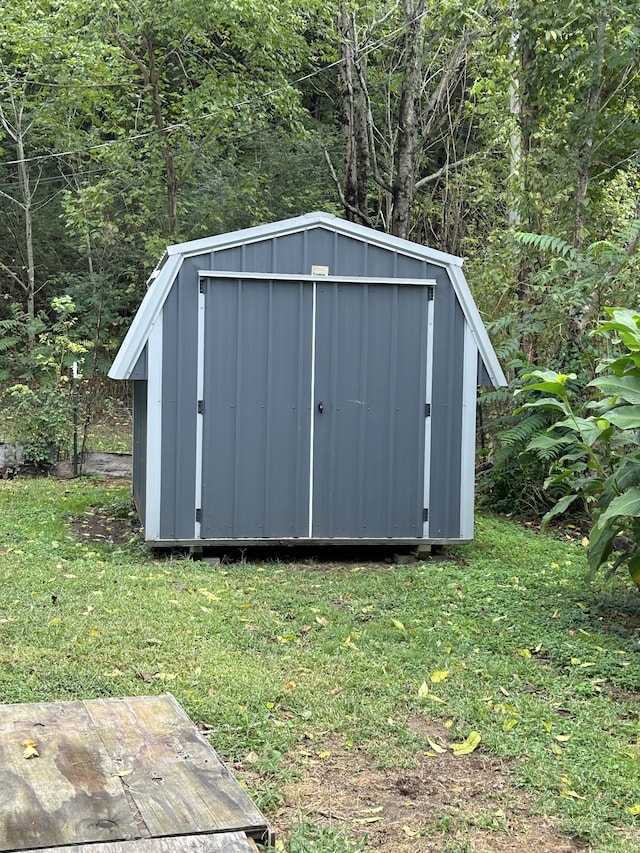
(567, 792)
(398, 624)
(423, 693)
(634, 810)
(410, 833)
(30, 748)
(436, 746)
(467, 745)
(210, 596)
(439, 675)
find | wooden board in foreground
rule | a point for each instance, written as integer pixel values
(225, 842)
(115, 770)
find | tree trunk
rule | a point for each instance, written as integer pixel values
(27, 201)
(585, 152)
(515, 139)
(406, 153)
(354, 121)
(151, 76)
(153, 82)
(15, 129)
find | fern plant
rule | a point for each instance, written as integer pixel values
(594, 446)
(510, 480)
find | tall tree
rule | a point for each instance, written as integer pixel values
(402, 96)
(203, 74)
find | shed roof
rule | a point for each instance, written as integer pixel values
(165, 273)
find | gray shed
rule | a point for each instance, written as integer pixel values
(308, 381)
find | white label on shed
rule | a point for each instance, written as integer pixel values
(316, 269)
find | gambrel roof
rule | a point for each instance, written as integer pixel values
(165, 274)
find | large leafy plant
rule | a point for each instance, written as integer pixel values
(593, 445)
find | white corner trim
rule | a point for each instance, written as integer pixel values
(154, 433)
(427, 421)
(468, 445)
(200, 415)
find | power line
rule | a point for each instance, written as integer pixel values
(185, 124)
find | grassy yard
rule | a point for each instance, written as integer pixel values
(320, 673)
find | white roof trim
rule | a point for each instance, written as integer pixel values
(476, 326)
(144, 320)
(319, 219)
(159, 288)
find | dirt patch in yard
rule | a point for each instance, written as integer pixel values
(443, 803)
(94, 525)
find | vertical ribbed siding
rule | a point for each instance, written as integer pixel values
(446, 412)
(369, 439)
(296, 254)
(256, 416)
(140, 446)
(179, 402)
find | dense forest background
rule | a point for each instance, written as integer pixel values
(507, 132)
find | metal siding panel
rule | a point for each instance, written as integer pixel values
(225, 259)
(290, 255)
(407, 267)
(140, 446)
(140, 369)
(258, 257)
(369, 440)
(446, 411)
(257, 409)
(352, 257)
(380, 262)
(483, 380)
(179, 400)
(320, 250)
(468, 444)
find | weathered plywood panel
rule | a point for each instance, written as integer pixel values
(177, 782)
(130, 773)
(70, 793)
(226, 842)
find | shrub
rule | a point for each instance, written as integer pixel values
(593, 446)
(41, 421)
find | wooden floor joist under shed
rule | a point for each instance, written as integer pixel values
(118, 776)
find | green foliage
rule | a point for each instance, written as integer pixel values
(593, 445)
(55, 343)
(41, 421)
(511, 478)
(311, 838)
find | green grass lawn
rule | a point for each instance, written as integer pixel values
(504, 638)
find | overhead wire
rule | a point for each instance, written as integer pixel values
(185, 124)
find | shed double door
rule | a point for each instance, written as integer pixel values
(313, 412)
